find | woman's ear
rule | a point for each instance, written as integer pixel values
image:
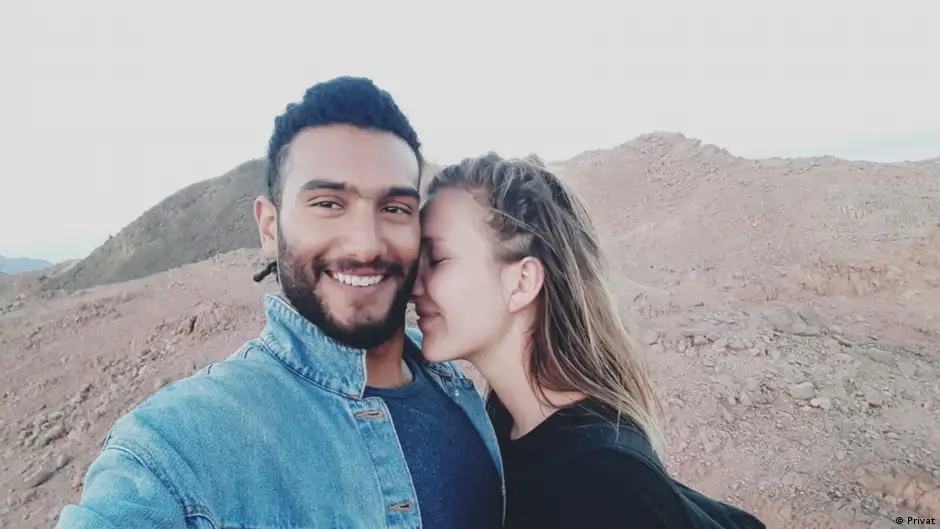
(524, 280)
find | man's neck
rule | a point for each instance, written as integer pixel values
(385, 367)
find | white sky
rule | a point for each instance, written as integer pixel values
(108, 106)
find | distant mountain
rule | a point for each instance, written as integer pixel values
(15, 265)
(203, 219)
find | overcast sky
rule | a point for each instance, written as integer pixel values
(108, 106)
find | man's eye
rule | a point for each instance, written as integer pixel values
(328, 204)
(398, 210)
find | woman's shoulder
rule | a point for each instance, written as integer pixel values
(607, 483)
(614, 463)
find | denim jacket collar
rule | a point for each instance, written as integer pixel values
(304, 349)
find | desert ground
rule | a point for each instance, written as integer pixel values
(790, 310)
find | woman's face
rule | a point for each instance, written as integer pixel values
(459, 294)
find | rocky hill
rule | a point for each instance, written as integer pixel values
(682, 212)
(790, 310)
(197, 222)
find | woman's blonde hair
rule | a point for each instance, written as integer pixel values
(579, 342)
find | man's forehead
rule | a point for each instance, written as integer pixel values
(365, 159)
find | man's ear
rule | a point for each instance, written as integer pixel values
(266, 219)
(524, 281)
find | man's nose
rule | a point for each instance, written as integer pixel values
(363, 239)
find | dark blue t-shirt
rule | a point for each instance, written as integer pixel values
(454, 475)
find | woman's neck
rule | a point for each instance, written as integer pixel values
(505, 368)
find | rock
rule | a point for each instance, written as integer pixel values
(802, 391)
(77, 481)
(907, 368)
(39, 477)
(725, 414)
(678, 403)
(720, 344)
(780, 318)
(62, 460)
(28, 496)
(56, 432)
(873, 398)
(736, 345)
(878, 355)
(699, 340)
(832, 346)
(650, 337)
(821, 402)
(813, 318)
(842, 341)
(801, 329)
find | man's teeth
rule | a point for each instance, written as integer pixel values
(358, 281)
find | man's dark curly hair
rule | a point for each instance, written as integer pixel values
(353, 101)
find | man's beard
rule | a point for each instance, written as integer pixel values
(300, 290)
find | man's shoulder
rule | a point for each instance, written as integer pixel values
(215, 395)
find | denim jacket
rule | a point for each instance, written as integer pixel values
(277, 436)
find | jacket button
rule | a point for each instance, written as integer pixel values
(370, 414)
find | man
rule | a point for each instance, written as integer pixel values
(331, 417)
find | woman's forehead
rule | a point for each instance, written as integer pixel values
(452, 214)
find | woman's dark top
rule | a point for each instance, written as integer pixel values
(599, 488)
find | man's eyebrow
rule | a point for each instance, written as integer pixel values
(394, 191)
(315, 184)
(403, 192)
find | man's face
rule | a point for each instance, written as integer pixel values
(347, 233)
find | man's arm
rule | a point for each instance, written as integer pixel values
(120, 491)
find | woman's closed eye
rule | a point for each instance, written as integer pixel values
(433, 259)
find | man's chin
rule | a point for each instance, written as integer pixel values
(363, 335)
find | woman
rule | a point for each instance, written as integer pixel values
(512, 280)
